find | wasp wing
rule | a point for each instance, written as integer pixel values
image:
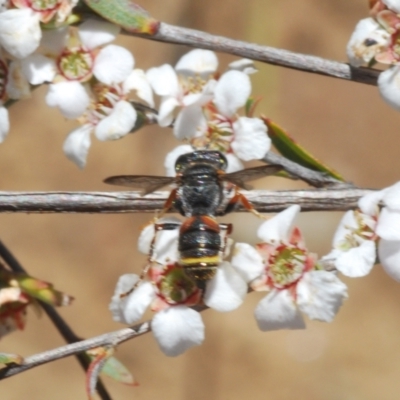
(249, 174)
(148, 183)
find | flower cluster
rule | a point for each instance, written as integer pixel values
(377, 39)
(204, 108)
(170, 292)
(20, 36)
(95, 82)
(369, 233)
(281, 265)
(89, 79)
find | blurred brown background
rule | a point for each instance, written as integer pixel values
(345, 124)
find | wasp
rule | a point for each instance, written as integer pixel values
(199, 196)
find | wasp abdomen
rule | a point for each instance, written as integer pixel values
(199, 247)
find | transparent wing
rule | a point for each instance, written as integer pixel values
(148, 183)
(250, 174)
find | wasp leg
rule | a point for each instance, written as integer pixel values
(240, 198)
(226, 230)
(150, 259)
(169, 203)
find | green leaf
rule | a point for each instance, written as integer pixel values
(6, 358)
(102, 361)
(250, 106)
(113, 368)
(294, 152)
(35, 288)
(43, 291)
(126, 14)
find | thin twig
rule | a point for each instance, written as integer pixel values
(66, 332)
(108, 339)
(270, 55)
(329, 199)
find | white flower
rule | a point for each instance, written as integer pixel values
(388, 230)
(284, 267)
(354, 249)
(393, 5)
(170, 292)
(173, 314)
(77, 143)
(367, 40)
(112, 124)
(389, 86)
(245, 65)
(361, 231)
(246, 137)
(4, 123)
(48, 10)
(75, 58)
(20, 31)
(184, 87)
(14, 86)
(251, 141)
(102, 106)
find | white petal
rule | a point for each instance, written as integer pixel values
(391, 196)
(226, 291)
(125, 284)
(389, 86)
(145, 238)
(166, 111)
(320, 295)
(165, 248)
(137, 302)
(76, 145)
(147, 233)
(245, 65)
(118, 124)
(189, 122)
(231, 92)
(369, 203)
(251, 141)
(278, 227)
(17, 86)
(357, 261)
(137, 81)
(388, 227)
(278, 311)
(367, 40)
(177, 329)
(9, 294)
(95, 33)
(113, 64)
(164, 80)
(389, 257)
(247, 261)
(346, 224)
(198, 61)
(70, 97)
(173, 155)
(234, 163)
(38, 69)
(20, 31)
(4, 123)
(394, 5)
